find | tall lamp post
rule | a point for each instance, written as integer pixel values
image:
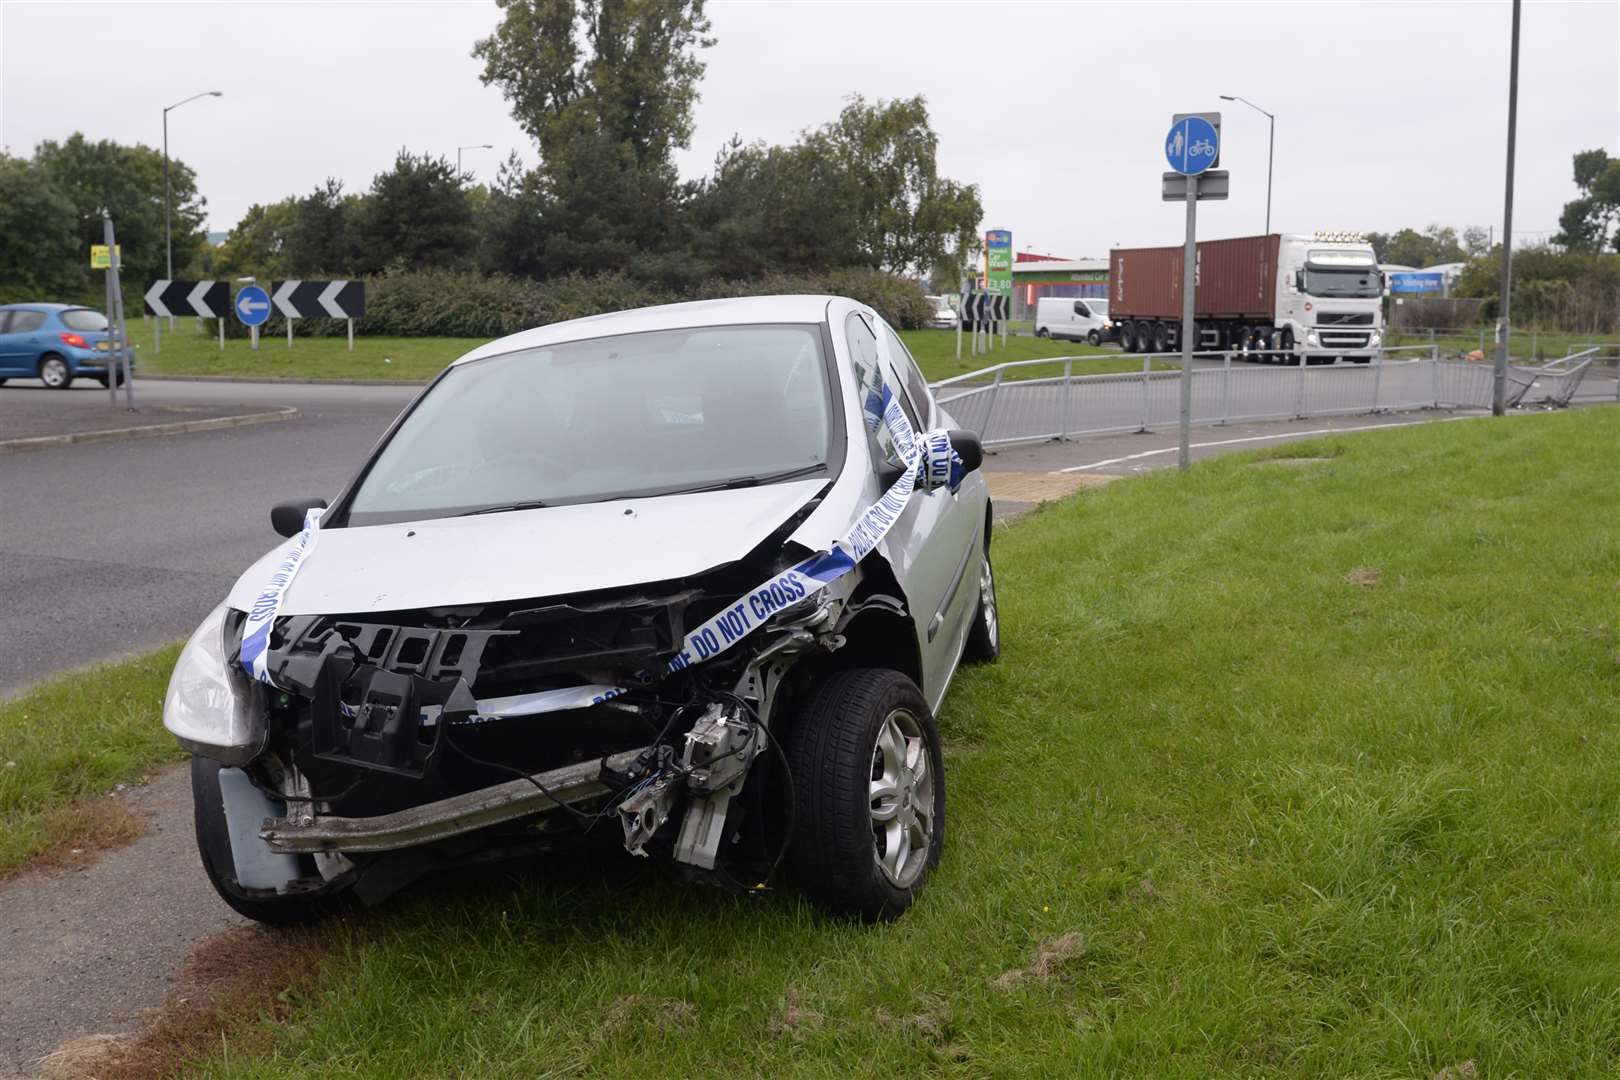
(470, 146)
(1271, 149)
(168, 237)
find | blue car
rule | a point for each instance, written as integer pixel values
(54, 343)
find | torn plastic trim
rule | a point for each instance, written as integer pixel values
(453, 816)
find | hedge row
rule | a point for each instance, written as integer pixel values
(446, 303)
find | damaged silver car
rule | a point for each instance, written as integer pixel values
(692, 578)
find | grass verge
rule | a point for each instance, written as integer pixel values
(1294, 771)
(186, 352)
(65, 743)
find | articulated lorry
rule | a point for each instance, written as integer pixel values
(1276, 297)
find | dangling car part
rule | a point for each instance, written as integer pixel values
(691, 579)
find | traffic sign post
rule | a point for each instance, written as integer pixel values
(1192, 147)
(253, 309)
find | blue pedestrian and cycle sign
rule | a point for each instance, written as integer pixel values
(1192, 146)
(253, 306)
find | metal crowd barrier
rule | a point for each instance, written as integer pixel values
(1028, 400)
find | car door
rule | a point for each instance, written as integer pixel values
(932, 545)
(23, 341)
(8, 364)
(1080, 320)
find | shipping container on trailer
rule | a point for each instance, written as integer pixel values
(1276, 296)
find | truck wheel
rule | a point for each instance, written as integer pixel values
(214, 845)
(869, 794)
(1144, 337)
(1161, 337)
(1127, 336)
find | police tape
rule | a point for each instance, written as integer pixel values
(929, 463)
(261, 617)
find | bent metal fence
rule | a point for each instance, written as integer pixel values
(1027, 400)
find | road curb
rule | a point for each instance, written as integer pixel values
(149, 431)
(281, 379)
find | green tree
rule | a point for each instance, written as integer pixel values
(417, 214)
(1589, 221)
(320, 236)
(1435, 244)
(40, 254)
(257, 245)
(625, 68)
(128, 182)
(907, 215)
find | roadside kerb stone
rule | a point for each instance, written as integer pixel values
(148, 431)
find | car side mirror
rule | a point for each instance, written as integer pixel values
(968, 448)
(288, 518)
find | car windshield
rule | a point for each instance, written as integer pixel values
(83, 319)
(587, 421)
(1098, 307)
(1362, 282)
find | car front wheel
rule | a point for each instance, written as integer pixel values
(1094, 339)
(869, 794)
(55, 373)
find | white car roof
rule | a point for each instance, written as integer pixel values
(735, 311)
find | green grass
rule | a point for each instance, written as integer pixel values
(186, 352)
(1526, 346)
(1281, 822)
(70, 740)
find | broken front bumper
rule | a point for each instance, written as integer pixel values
(453, 816)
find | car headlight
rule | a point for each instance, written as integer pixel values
(213, 710)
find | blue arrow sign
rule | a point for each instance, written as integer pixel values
(253, 306)
(1192, 146)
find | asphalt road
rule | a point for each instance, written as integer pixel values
(114, 548)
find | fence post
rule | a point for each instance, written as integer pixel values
(1434, 366)
(1534, 334)
(989, 413)
(1068, 379)
(1482, 339)
(1378, 376)
(1147, 366)
(1299, 405)
(1226, 386)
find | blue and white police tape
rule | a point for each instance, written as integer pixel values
(261, 617)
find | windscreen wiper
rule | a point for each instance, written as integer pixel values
(532, 504)
(753, 481)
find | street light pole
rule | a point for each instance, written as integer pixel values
(1499, 366)
(168, 236)
(1271, 148)
(469, 146)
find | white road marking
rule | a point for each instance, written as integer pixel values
(1248, 439)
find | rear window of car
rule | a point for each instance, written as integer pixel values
(23, 322)
(84, 319)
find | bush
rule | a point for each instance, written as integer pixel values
(449, 303)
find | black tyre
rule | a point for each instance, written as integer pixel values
(1161, 337)
(1127, 336)
(1144, 337)
(214, 846)
(984, 636)
(54, 372)
(1094, 339)
(1041, 332)
(869, 786)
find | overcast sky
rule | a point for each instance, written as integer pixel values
(1388, 114)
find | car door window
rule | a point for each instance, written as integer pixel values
(863, 351)
(25, 322)
(1081, 310)
(5, 317)
(920, 407)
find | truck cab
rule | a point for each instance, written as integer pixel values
(1329, 299)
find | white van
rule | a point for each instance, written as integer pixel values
(1072, 319)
